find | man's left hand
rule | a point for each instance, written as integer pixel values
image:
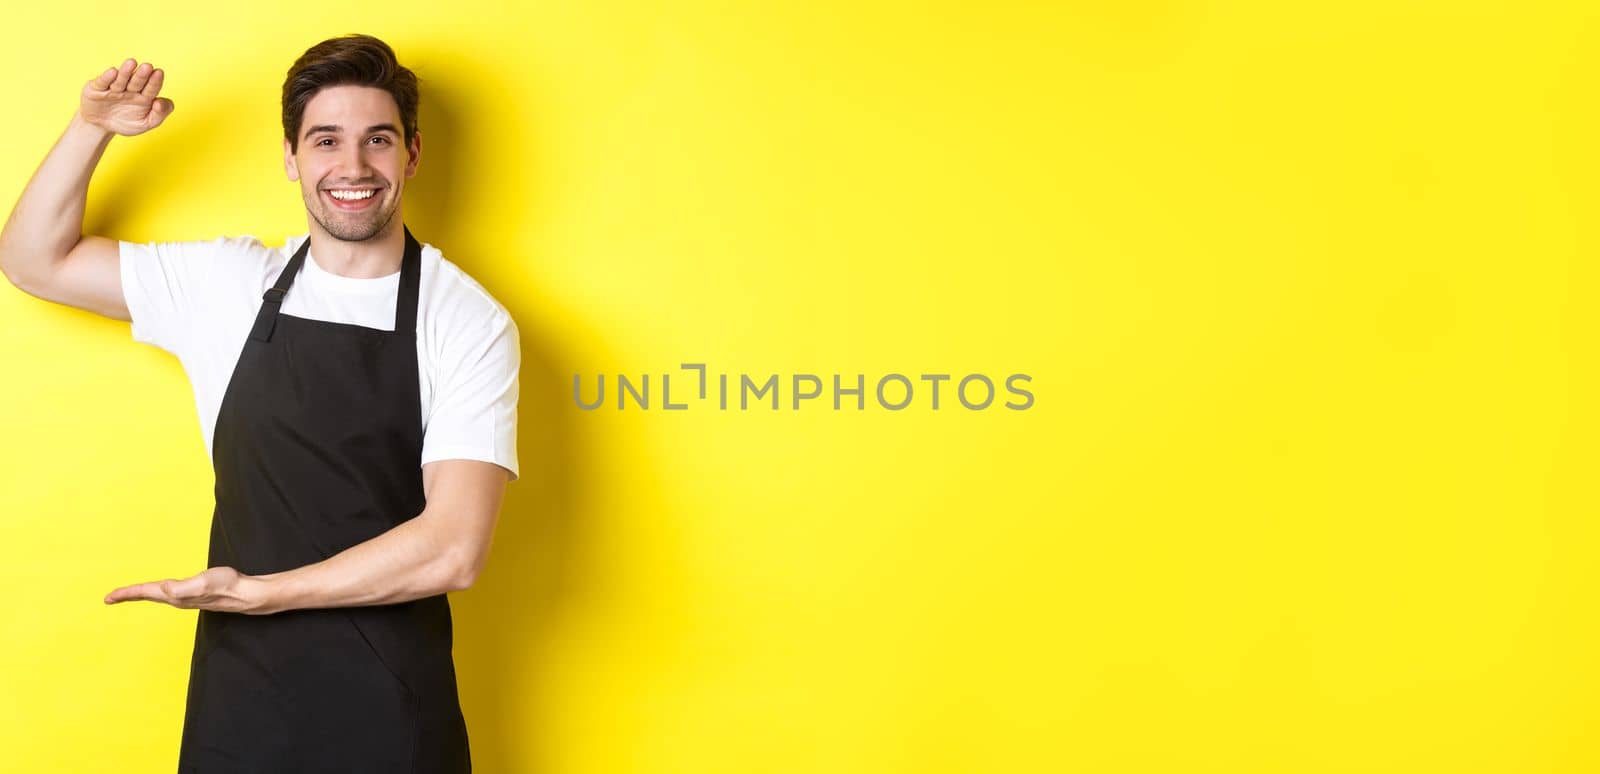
(223, 589)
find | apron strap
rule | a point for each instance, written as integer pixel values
(272, 300)
(405, 309)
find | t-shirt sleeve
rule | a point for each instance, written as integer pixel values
(164, 284)
(473, 414)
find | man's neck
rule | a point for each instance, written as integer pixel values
(379, 256)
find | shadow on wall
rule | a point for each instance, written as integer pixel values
(159, 168)
(545, 547)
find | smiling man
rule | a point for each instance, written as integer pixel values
(357, 395)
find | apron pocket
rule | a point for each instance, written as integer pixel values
(351, 712)
(377, 655)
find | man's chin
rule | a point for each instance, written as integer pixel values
(345, 231)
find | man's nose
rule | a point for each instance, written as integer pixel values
(353, 162)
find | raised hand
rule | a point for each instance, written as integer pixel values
(126, 100)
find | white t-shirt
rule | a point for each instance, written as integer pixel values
(199, 299)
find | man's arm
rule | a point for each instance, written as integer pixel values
(441, 550)
(43, 250)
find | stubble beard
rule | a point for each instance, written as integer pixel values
(348, 230)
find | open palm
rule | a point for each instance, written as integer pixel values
(126, 100)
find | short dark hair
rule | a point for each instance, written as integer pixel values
(359, 60)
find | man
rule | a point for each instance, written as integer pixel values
(357, 393)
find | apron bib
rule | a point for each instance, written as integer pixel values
(316, 449)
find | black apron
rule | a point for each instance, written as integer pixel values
(317, 448)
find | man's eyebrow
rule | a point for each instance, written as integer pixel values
(335, 128)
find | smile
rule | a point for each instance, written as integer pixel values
(351, 199)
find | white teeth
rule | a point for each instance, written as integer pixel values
(351, 195)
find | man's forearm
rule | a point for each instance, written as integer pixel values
(413, 560)
(47, 220)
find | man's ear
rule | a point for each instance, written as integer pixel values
(415, 151)
(288, 161)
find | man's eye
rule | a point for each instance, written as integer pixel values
(385, 139)
(323, 140)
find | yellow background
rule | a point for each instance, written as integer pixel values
(1303, 289)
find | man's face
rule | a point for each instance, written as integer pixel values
(352, 143)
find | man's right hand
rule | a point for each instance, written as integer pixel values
(126, 100)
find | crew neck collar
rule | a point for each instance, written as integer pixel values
(325, 278)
